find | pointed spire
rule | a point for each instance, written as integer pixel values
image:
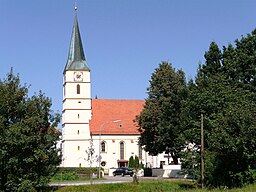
(76, 58)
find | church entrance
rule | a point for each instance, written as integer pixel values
(122, 163)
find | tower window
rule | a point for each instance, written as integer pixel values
(78, 148)
(78, 116)
(78, 132)
(78, 89)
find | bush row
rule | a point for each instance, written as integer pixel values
(78, 170)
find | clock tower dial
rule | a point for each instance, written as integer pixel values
(78, 76)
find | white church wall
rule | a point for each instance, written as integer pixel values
(78, 116)
(112, 153)
(77, 104)
(76, 132)
(74, 153)
(85, 91)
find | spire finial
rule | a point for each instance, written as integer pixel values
(75, 5)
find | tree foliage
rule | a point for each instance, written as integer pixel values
(159, 122)
(135, 163)
(224, 91)
(131, 162)
(28, 154)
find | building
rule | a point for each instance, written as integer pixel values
(108, 123)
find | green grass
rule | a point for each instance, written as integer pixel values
(149, 186)
(70, 177)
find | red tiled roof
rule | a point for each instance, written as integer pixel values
(105, 111)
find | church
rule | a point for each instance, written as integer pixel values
(106, 123)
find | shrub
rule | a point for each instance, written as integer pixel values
(74, 173)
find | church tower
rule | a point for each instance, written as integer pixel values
(76, 111)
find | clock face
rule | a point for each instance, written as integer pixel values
(78, 76)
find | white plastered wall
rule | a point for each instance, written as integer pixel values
(75, 120)
(131, 148)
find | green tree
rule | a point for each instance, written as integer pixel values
(131, 162)
(239, 62)
(136, 162)
(28, 138)
(224, 91)
(159, 122)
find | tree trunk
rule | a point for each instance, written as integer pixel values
(135, 177)
(175, 158)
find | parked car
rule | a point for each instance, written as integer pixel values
(123, 171)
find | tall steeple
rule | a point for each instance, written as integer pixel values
(76, 58)
(76, 105)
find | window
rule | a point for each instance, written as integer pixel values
(78, 132)
(162, 163)
(80, 165)
(78, 89)
(121, 150)
(78, 116)
(78, 148)
(103, 146)
(103, 163)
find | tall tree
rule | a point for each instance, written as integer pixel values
(159, 122)
(240, 61)
(224, 91)
(213, 61)
(28, 138)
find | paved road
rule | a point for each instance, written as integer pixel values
(107, 179)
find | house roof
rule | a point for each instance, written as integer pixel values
(115, 117)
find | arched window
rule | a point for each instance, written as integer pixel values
(103, 146)
(78, 89)
(121, 150)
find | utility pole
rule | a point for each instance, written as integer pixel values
(202, 150)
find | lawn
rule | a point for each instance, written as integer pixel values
(149, 186)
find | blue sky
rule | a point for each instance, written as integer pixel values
(124, 40)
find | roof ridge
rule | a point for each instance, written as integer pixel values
(121, 99)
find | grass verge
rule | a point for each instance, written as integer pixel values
(149, 186)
